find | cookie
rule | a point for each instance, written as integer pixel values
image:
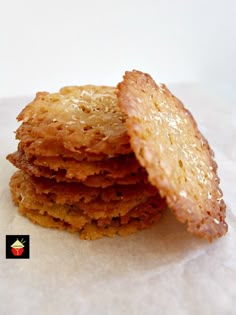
(62, 192)
(95, 229)
(101, 180)
(179, 161)
(73, 219)
(117, 167)
(55, 149)
(104, 205)
(81, 119)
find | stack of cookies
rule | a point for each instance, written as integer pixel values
(77, 168)
(103, 161)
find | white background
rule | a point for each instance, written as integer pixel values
(47, 44)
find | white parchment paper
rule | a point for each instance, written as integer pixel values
(164, 270)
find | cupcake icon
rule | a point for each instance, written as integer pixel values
(17, 248)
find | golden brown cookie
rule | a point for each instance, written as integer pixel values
(142, 217)
(62, 192)
(134, 174)
(73, 219)
(56, 199)
(178, 159)
(81, 119)
(49, 149)
(117, 167)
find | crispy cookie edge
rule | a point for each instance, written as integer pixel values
(126, 101)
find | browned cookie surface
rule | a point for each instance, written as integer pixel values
(81, 119)
(127, 176)
(95, 203)
(49, 148)
(178, 159)
(62, 192)
(142, 217)
(117, 167)
(124, 218)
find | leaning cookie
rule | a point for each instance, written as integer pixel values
(178, 159)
